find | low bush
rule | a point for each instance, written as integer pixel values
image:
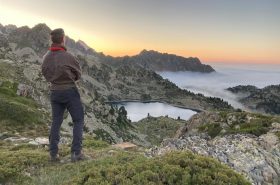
(15, 164)
(157, 129)
(90, 142)
(278, 135)
(212, 129)
(238, 122)
(171, 169)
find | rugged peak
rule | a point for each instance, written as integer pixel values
(79, 46)
(41, 27)
(153, 52)
(9, 28)
(38, 38)
(83, 44)
(158, 61)
(145, 52)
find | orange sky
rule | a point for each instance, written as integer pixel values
(220, 31)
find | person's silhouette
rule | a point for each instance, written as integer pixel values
(62, 70)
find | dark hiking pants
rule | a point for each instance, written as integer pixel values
(66, 99)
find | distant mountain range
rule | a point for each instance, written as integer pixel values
(38, 39)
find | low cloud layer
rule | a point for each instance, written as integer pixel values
(214, 84)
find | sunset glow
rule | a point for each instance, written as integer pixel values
(214, 31)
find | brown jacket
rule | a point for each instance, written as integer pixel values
(60, 68)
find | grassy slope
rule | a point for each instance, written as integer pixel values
(20, 114)
(25, 164)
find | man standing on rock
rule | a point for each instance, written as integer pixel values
(62, 70)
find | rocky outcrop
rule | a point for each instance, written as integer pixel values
(79, 47)
(5, 49)
(36, 38)
(125, 146)
(7, 29)
(246, 154)
(256, 157)
(265, 100)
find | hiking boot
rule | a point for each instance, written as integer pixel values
(54, 158)
(77, 157)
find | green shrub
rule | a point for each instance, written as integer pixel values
(119, 168)
(103, 135)
(157, 129)
(145, 97)
(238, 122)
(14, 165)
(173, 168)
(278, 135)
(212, 129)
(256, 129)
(258, 125)
(90, 142)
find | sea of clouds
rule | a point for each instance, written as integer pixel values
(226, 75)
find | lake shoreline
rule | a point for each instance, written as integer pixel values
(152, 101)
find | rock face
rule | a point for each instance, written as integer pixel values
(79, 47)
(244, 153)
(266, 100)
(125, 146)
(36, 38)
(156, 61)
(257, 157)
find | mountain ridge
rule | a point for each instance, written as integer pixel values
(157, 61)
(38, 36)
